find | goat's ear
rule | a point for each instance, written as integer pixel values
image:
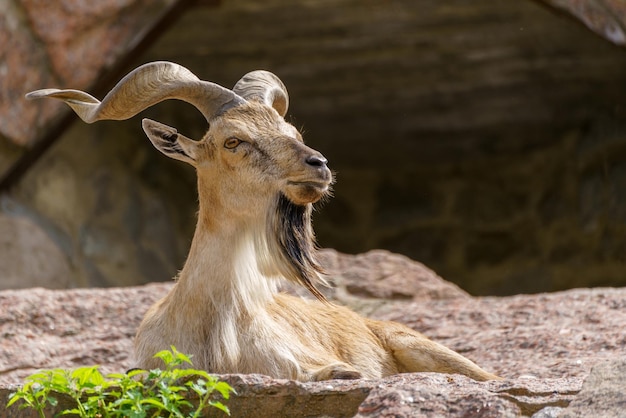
(167, 140)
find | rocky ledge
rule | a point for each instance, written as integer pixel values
(561, 354)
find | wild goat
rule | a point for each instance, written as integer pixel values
(257, 182)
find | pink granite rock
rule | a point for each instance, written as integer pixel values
(544, 345)
(61, 43)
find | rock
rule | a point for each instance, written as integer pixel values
(64, 43)
(380, 274)
(415, 394)
(265, 397)
(548, 412)
(43, 328)
(491, 154)
(544, 345)
(550, 335)
(436, 395)
(407, 395)
(115, 227)
(21, 63)
(603, 393)
(27, 251)
(605, 17)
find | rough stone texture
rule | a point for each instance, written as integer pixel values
(486, 140)
(102, 202)
(603, 393)
(543, 345)
(59, 43)
(435, 395)
(483, 140)
(605, 17)
(355, 276)
(22, 68)
(26, 251)
(409, 395)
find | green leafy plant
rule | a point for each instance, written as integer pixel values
(136, 394)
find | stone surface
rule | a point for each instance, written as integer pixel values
(383, 275)
(603, 393)
(60, 43)
(544, 345)
(487, 141)
(112, 225)
(27, 251)
(22, 68)
(408, 395)
(464, 136)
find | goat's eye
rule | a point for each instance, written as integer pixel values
(232, 143)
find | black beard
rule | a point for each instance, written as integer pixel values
(291, 225)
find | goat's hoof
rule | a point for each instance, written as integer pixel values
(346, 375)
(337, 371)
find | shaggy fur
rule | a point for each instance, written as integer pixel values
(257, 182)
(291, 224)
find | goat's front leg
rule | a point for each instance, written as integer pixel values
(336, 370)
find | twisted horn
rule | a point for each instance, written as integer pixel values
(146, 86)
(265, 87)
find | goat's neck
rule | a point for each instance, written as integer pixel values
(224, 272)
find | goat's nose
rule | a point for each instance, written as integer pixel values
(316, 160)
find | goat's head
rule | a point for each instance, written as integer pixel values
(249, 145)
(250, 162)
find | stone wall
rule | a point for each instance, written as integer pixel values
(59, 43)
(80, 217)
(110, 202)
(539, 219)
(486, 141)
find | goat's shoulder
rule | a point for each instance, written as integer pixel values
(344, 335)
(328, 321)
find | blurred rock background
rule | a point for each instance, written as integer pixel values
(486, 140)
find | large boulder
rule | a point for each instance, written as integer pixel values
(27, 251)
(603, 393)
(486, 139)
(57, 43)
(544, 345)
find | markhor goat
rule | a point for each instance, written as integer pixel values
(257, 182)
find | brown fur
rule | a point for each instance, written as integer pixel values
(257, 182)
(253, 230)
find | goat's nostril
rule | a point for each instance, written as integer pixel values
(316, 161)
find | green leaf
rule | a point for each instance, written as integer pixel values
(199, 388)
(182, 357)
(220, 406)
(224, 389)
(14, 397)
(137, 394)
(202, 373)
(165, 355)
(154, 402)
(135, 372)
(87, 376)
(136, 414)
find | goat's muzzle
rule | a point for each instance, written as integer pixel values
(312, 183)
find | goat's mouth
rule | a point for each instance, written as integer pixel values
(323, 186)
(308, 191)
